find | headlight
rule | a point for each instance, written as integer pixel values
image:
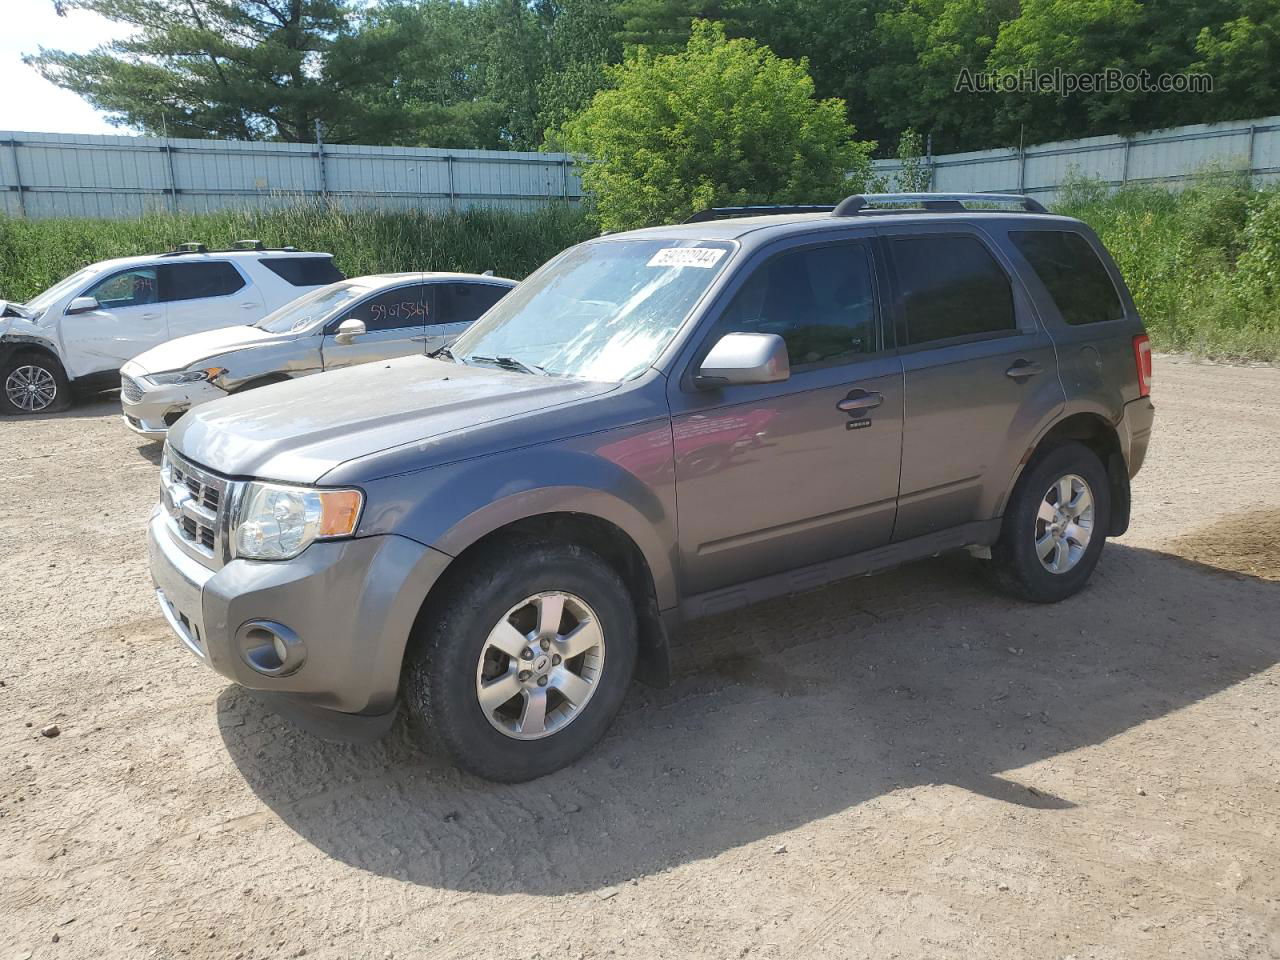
(185, 376)
(278, 522)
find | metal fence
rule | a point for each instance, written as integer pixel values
(72, 175)
(1165, 157)
(60, 175)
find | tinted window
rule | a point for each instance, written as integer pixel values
(129, 288)
(392, 309)
(304, 271)
(1072, 273)
(464, 302)
(820, 301)
(951, 287)
(196, 281)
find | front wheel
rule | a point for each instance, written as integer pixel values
(33, 383)
(1055, 526)
(524, 665)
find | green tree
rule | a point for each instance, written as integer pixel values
(662, 25)
(414, 75)
(582, 41)
(249, 69)
(723, 122)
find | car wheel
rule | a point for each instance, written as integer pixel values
(525, 664)
(1055, 526)
(33, 383)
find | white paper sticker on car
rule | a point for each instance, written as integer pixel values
(686, 257)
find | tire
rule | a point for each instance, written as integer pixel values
(25, 381)
(454, 654)
(1016, 564)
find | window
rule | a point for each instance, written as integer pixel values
(198, 281)
(304, 271)
(820, 301)
(465, 302)
(1072, 273)
(129, 288)
(951, 287)
(392, 309)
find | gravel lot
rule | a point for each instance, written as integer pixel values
(901, 766)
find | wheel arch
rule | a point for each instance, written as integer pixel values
(597, 534)
(1099, 434)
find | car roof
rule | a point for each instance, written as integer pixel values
(770, 227)
(375, 280)
(116, 263)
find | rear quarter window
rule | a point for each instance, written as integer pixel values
(1070, 270)
(304, 271)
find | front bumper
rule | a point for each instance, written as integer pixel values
(351, 602)
(157, 408)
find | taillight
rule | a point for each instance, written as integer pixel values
(1142, 357)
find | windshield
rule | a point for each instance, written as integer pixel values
(599, 311)
(313, 306)
(42, 301)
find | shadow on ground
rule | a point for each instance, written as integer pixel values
(793, 710)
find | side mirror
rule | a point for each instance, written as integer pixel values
(743, 358)
(82, 305)
(349, 329)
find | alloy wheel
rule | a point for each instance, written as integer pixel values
(540, 665)
(1064, 523)
(31, 388)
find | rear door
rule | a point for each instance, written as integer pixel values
(130, 319)
(981, 375)
(205, 295)
(457, 305)
(774, 477)
(1091, 323)
(395, 323)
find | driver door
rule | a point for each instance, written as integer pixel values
(395, 322)
(774, 477)
(128, 320)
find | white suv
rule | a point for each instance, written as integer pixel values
(75, 336)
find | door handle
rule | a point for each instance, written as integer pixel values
(248, 305)
(1022, 369)
(860, 400)
(150, 316)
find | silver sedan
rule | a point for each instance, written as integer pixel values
(353, 321)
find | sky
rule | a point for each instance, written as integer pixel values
(29, 102)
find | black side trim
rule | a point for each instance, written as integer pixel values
(978, 533)
(1121, 495)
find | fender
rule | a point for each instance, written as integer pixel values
(1073, 407)
(623, 476)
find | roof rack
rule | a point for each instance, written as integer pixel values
(933, 202)
(237, 246)
(717, 213)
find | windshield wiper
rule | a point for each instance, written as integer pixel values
(443, 352)
(507, 363)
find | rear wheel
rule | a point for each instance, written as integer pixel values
(525, 664)
(1054, 526)
(33, 383)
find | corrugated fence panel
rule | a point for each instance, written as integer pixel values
(1168, 157)
(52, 175)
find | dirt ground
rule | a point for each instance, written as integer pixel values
(901, 766)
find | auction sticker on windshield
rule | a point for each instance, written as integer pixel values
(686, 257)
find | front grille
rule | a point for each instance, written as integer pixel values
(194, 499)
(129, 389)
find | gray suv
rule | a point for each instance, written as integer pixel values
(655, 426)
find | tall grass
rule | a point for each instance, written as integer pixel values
(36, 253)
(1203, 263)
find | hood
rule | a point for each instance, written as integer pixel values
(186, 351)
(10, 309)
(300, 430)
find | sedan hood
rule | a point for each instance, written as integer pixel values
(300, 430)
(187, 351)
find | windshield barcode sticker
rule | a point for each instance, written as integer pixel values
(686, 257)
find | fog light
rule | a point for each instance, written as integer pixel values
(271, 648)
